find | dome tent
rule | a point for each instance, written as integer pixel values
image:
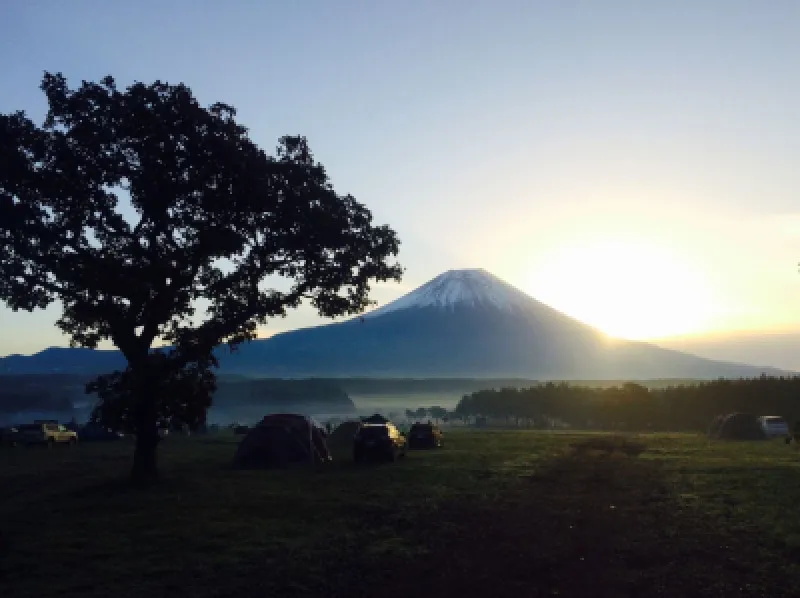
(282, 439)
(740, 426)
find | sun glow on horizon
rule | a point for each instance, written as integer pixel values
(629, 289)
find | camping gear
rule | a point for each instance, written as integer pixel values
(282, 439)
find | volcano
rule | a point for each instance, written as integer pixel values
(470, 323)
(461, 324)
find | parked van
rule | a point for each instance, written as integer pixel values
(774, 426)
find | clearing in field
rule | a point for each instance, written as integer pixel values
(493, 513)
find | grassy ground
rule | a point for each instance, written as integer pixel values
(493, 513)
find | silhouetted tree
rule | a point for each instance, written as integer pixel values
(135, 208)
(437, 413)
(183, 396)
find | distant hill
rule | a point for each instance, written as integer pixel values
(63, 360)
(779, 349)
(63, 396)
(283, 395)
(461, 324)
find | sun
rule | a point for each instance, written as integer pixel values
(629, 289)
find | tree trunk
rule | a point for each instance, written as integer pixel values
(145, 469)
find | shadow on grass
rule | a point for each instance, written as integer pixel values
(123, 487)
(570, 517)
(609, 445)
(595, 521)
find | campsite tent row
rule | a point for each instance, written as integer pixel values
(284, 438)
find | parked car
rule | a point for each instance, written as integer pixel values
(48, 434)
(774, 426)
(379, 441)
(9, 436)
(425, 436)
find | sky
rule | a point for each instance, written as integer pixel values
(632, 164)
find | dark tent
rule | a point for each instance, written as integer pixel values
(281, 439)
(740, 426)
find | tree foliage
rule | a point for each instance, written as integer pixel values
(149, 216)
(181, 396)
(200, 190)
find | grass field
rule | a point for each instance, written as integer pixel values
(500, 513)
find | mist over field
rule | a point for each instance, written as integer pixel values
(250, 414)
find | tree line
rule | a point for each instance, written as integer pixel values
(435, 413)
(683, 407)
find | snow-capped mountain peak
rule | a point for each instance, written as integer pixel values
(466, 288)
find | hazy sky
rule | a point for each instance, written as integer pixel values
(634, 164)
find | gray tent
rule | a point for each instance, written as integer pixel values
(740, 426)
(281, 439)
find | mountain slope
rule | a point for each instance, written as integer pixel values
(471, 323)
(474, 288)
(463, 323)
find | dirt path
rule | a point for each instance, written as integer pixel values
(590, 524)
